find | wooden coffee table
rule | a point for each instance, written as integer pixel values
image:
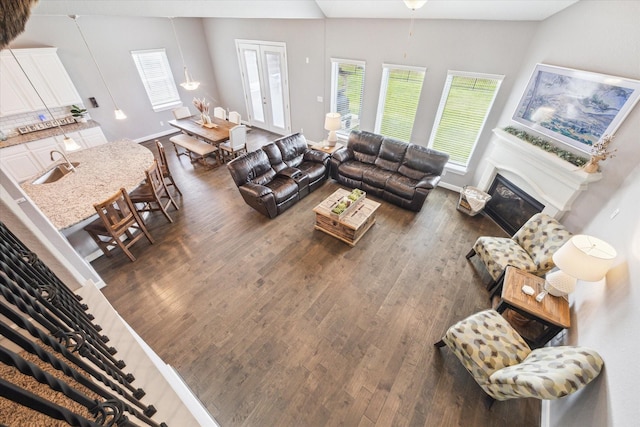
(352, 226)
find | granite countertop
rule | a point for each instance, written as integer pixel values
(102, 171)
(47, 133)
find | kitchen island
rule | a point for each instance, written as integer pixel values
(101, 172)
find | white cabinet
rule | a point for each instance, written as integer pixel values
(86, 138)
(41, 151)
(46, 72)
(93, 137)
(18, 162)
(31, 158)
(12, 99)
(55, 77)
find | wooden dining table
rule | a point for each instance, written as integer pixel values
(214, 135)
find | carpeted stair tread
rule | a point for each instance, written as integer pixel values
(15, 415)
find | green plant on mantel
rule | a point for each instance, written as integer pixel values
(547, 146)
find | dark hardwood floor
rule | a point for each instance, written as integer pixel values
(272, 323)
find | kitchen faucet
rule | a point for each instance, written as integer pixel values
(69, 164)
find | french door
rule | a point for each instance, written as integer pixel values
(263, 66)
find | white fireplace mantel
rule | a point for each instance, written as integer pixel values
(552, 181)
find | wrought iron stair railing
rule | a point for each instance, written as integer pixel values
(44, 318)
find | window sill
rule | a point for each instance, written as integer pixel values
(166, 107)
(456, 169)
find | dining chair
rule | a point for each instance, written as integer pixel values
(117, 216)
(236, 143)
(234, 117)
(153, 195)
(220, 113)
(253, 144)
(181, 113)
(164, 167)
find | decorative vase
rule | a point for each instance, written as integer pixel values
(206, 120)
(591, 166)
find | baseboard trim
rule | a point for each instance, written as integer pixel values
(450, 186)
(156, 135)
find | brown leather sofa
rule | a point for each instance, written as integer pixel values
(279, 174)
(393, 170)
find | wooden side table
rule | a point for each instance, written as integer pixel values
(552, 312)
(322, 146)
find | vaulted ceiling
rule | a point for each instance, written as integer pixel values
(514, 10)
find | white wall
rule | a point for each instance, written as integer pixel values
(480, 46)
(598, 36)
(605, 317)
(604, 37)
(111, 40)
(304, 39)
(209, 47)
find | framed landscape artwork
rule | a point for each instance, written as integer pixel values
(575, 107)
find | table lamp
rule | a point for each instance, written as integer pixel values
(582, 257)
(332, 123)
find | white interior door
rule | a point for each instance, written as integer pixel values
(265, 82)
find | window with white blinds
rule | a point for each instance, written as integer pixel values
(347, 89)
(466, 101)
(157, 78)
(399, 96)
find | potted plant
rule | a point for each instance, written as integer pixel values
(79, 114)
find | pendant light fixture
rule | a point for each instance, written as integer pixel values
(120, 115)
(188, 84)
(414, 4)
(69, 143)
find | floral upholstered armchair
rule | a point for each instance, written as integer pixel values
(505, 367)
(530, 249)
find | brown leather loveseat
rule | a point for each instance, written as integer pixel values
(279, 174)
(393, 170)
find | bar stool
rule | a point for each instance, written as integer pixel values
(164, 167)
(153, 194)
(117, 216)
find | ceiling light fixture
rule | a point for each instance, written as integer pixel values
(120, 115)
(69, 143)
(188, 84)
(414, 4)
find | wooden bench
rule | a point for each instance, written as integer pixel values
(193, 147)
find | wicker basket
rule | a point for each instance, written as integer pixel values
(472, 200)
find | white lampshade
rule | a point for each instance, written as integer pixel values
(415, 4)
(120, 115)
(188, 83)
(582, 257)
(332, 123)
(70, 144)
(585, 257)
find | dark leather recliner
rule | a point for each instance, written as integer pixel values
(279, 174)
(388, 168)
